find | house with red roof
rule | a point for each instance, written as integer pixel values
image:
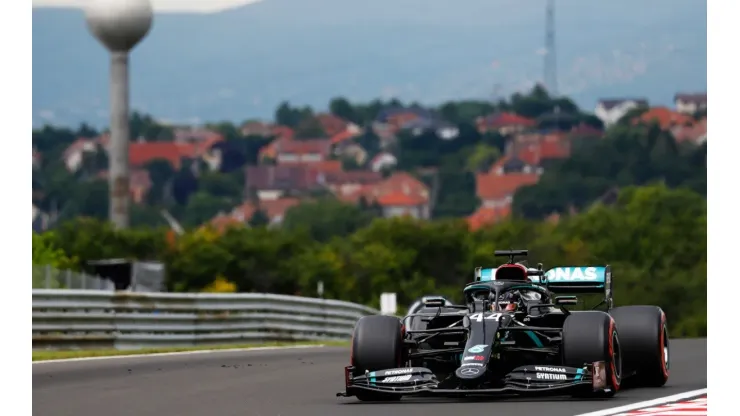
(274, 209)
(241, 215)
(311, 150)
(504, 123)
(535, 148)
(141, 153)
(402, 194)
(334, 125)
(270, 182)
(496, 188)
(696, 133)
(400, 204)
(399, 195)
(347, 185)
(665, 117)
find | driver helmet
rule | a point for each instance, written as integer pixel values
(510, 300)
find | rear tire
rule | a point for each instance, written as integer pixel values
(645, 344)
(592, 336)
(377, 344)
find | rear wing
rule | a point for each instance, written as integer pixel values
(581, 279)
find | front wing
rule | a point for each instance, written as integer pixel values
(530, 379)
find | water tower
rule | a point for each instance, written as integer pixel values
(119, 25)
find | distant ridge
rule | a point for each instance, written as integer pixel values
(240, 63)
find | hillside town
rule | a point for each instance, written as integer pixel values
(290, 169)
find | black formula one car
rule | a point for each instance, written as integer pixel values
(513, 336)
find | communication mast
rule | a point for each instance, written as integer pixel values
(550, 77)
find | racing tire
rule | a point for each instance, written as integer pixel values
(377, 344)
(592, 336)
(643, 331)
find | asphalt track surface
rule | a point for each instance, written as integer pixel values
(299, 382)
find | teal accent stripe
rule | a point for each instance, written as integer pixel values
(536, 340)
(579, 374)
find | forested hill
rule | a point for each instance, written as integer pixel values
(243, 62)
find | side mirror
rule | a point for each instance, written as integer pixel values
(434, 302)
(566, 300)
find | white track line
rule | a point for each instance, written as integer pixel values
(647, 403)
(170, 354)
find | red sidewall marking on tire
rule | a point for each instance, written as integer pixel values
(663, 330)
(615, 382)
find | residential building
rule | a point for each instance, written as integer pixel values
(534, 148)
(74, 154)
(666, 118)
(401, 194)
(400, 204)
(351, 151)
(141, 153)
(695, 133)
(442, 129)
(346, 184)
(196, 135)
(268, 182)
(612, 110)
(274, 209)
(382, 161)
(690, 103)
(257, 128)
(504, 123)
(311, 150)
(496, 188)
(334, 125)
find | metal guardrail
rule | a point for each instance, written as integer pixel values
(77, 319)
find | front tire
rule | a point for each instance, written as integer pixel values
(592, 336)
(377, 344)
(645, 343)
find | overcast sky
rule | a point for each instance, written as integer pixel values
(161, 5)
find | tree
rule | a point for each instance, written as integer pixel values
(291, 116)
(184, 183)
(259, 219)
(627, 155)
(309, 128)
(160, 171)
(326, 218)
(482, 158)
(342, 108)
(202, 207)
(144, 125)
(221, 185)
(86, 131)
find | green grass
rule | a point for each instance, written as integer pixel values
(60, 355)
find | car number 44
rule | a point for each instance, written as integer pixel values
(479, 317)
